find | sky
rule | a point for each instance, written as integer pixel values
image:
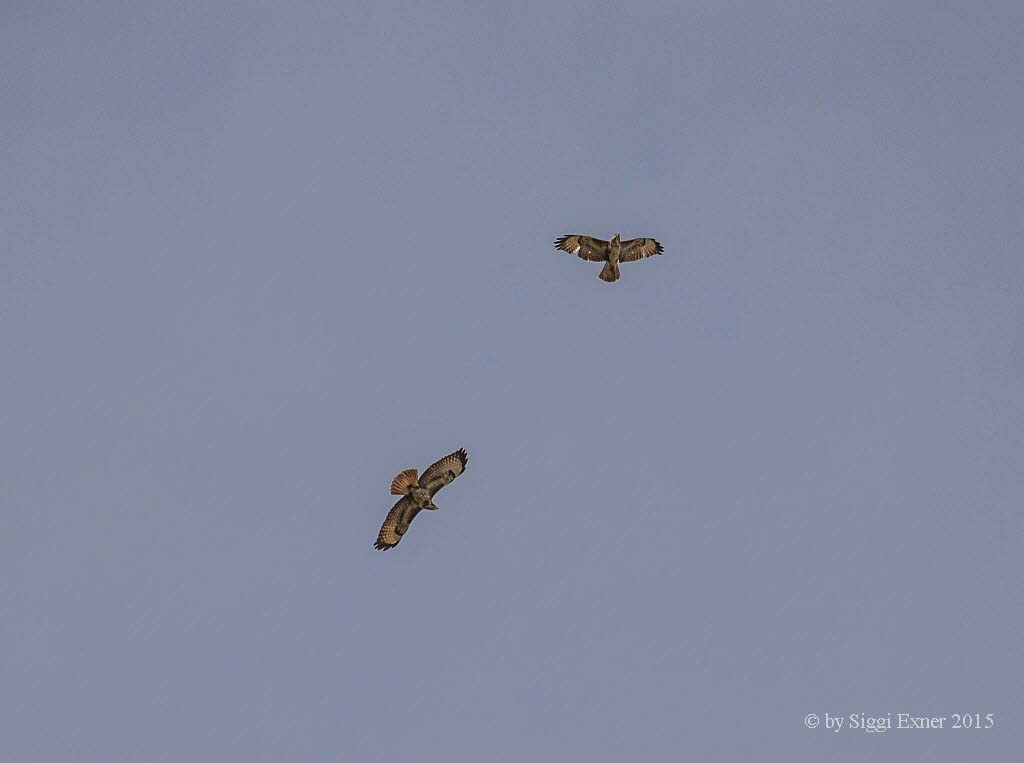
(259, 258)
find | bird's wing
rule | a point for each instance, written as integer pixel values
(444, 471)
(397, 522)
(584, 247)
(638, 248)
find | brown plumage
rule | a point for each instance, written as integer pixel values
(611, 253)
(417, 494)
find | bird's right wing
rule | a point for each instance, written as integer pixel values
(397, 522)
(584, 247)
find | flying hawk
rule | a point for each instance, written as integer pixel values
(417, 494)
(611, 253)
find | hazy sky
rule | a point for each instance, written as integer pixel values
(258, 258)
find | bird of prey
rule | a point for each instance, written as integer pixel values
(417, 494)
(611, 253)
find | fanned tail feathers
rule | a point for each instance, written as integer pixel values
(405, 481)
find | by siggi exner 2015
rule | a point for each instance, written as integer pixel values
(875, 724)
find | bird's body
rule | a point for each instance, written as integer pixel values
(609, 252)
(421, 497)
(612, 268)
(417, 493)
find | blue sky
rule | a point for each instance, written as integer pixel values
(262, 258)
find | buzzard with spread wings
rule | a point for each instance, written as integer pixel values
(611, 253)
(417, 493)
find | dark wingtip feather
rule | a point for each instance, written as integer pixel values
(463, 456)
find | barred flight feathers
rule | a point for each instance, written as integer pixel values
(584, 247)
(397, 522)
(441, 472)
(638, 248)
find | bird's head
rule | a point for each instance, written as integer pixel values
(615, 237)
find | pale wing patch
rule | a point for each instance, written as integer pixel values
(638, 248)
(584, 247)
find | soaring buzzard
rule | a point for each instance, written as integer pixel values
(417, 494)
(611, 253)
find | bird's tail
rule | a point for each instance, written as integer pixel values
(406, 480)
(610, 273)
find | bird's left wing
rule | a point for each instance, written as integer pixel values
(444, 471)
(397, 522)
(638, 248)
